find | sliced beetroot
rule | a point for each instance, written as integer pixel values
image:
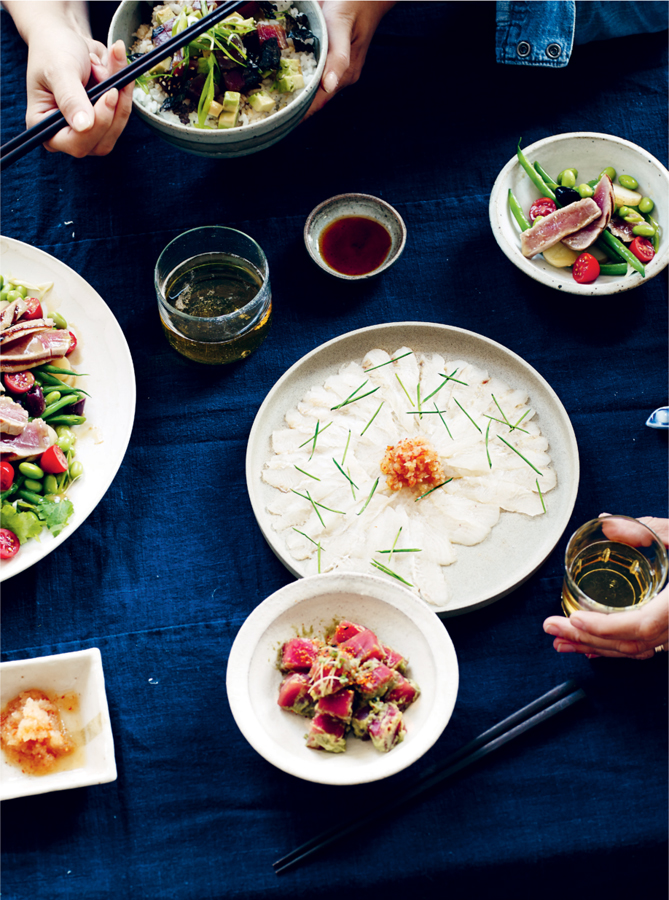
(374, 680)
(339, 705)
(403, 693)
(298, 655)
(346, 630)
(363, 646)
(387, 728)
(327, 733)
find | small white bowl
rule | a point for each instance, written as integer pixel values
(589, 152)
(355, 205)
(229, 142)
(398, 618)
(79, 672)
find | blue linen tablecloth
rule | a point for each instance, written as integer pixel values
(171, 562)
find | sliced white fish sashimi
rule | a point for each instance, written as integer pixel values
(333, 506)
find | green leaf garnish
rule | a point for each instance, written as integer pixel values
(404, 389)
(314, 436)
(307, 473)
(433, 489)
(23, 524)
(352, 485)
(541, 496)
(511, 447)
(387, 571)
(369, 498)
(468, 416)
(388, 362)
(373, 417)
(344, 473)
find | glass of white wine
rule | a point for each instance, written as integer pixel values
(612, 564)
(214, 295)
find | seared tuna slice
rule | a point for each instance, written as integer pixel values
(338, 705)
(363, 646)
(403, 692)
(13, 417)
(12, 313)
(32, 348)
(606, 201)
(268, 31)
(327, 675)
(393, 659)
(387, 728)
(621, 229)
(557, 225)
(298, 655)
(294, 695)
(346, 630)
(360, 721)
(234, 79)
(374, 680)
(33, 440)
(327, 733)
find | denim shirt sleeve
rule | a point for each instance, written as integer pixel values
(535, 33)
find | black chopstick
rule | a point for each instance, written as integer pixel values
(45, 129)
(513, 726)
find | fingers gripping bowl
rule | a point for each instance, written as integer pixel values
(242, 139)
(589, 153)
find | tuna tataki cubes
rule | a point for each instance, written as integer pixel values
(347, 683)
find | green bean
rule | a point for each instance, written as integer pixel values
(646, 205)
(56, 385)
(76, 470)
(613, 268)
(50, 484)
(54, 370)
(658, 231)
(545, 176)
(8, 493)
(611, 252)
(30, 470)
(51, 397)
(644, 229)
(517, 211)
(536, 179)
(58, 320)
(628, 182)
(31, 485)
(59, 404)
(67, 420)
(610, 241)
(30, 497)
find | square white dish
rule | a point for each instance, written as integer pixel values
(79, 672)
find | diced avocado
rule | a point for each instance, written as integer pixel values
(202, 65)
(215, 109)
(163, 14)
(290, 83)
(163, 66)
(289, 67)
(231, 101)
(261, 101)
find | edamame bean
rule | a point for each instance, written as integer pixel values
(13, 295)
(76, 469)
(23, 291)
(52, 397)
(58, 320)
(538, 219)
(646, 205)
(568, 177)
(31, 485)
(610, 171)
(628, 182)
(644, 229)
(65, 443)
(633, 216)
(2, 282)
(50, 484)
(30, 470)
(3, 296)
(584, 191)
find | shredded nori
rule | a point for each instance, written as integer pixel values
(297, 29)
(270, 55)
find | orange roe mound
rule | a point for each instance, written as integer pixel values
(411, 462)
(32, 734)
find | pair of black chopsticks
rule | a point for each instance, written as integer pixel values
(45, 129)
(513, 726)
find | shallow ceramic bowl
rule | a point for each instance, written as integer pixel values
(245, 139)
(397, 617)
(79, 672)
(355, 205)
(588, 152)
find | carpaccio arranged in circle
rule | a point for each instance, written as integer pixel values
(349, 684)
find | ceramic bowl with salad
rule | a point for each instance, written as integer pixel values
(583, 212)
(238, 88)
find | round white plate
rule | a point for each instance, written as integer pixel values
(518, 544)
(398, 618)
(102, 350)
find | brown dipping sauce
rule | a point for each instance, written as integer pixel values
(354, 245)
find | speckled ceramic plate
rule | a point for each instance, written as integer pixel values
(589, 152)
(397, 617)
(518, 544)
(101, 351)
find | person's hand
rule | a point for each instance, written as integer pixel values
(351, 26)
(633, 634)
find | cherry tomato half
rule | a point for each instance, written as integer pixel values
(19, 382)
(544, 206)
(34, 310)
(6, 476)
(9, 544)
(53, 460)
(73, 343)
(643, 249)
(586, 269)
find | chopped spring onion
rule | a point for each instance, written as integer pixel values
(511, 447)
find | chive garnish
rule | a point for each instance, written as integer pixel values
(402, 550)
(315, 503)
(373, 417)
(314, 436)
(344, 473)
(315, 543)
(397, 536)
(444, 421)
(501, 410)
(319, 558)
(425, 412)
(369, 498)
(487, 432)
(430, 396)
(387, 571)
(354, 399)
(541, 496)
(511, 447)
(348, 439)
(432, 489)
(404, 389)
(356, 390)
(307, 473)
(521, 419)
(468, 416)
(420, 412)
(512, 427)
(450, 378)
(352, 485)
(388, 362)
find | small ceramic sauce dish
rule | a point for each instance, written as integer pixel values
(354, 236)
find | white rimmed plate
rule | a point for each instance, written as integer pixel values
(518, 544)
(398, 618)
(102, 349)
